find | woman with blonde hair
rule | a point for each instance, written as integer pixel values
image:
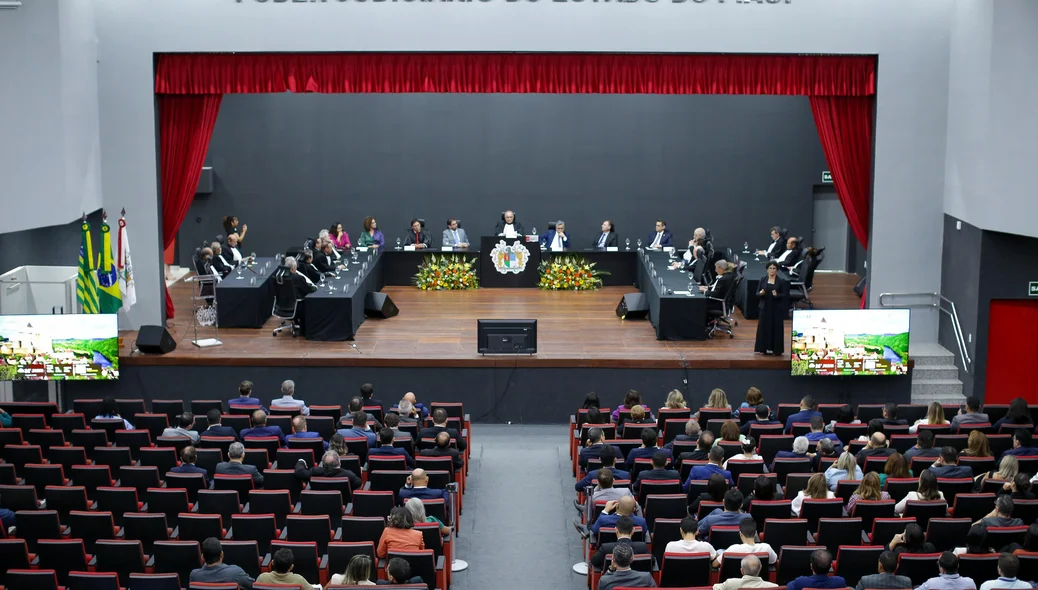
(977, 445)
(815, 490)
(844, 468)
(675, 401)
(1006, 471)
(718, 400)
(754, 398)
(358, 572)
(934, 417)
(869, 490)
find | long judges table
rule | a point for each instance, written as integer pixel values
(675, 312)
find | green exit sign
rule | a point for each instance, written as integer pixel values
(827, 177)
(1032, 288)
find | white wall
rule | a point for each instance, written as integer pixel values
(992, 123)
(911, 39)
(49, 148)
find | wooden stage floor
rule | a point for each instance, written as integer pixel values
(438, 329)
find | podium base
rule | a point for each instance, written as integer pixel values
(459, 565)
(206, 342)
(580, 568)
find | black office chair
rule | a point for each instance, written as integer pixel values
(285, 304)
(309, 243)
(800, 290)
(722, 320)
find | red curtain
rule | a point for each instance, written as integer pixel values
(845, 127)
(548, 73)
(185, 126)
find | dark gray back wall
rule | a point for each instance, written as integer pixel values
(960, 282)
(290, 164)
(57, 245)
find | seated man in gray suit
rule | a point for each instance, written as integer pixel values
(454, 235)
(215, 570)
(620, 574)
(885, 578)
(236, 466)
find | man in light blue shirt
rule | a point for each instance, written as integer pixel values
(732, 514)
(454, 235)
(949, 578)
(1008, 568)
(360, 429)
(703, 472)
(287, 399)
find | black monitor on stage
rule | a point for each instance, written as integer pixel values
(506, 336)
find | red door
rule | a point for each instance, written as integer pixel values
(1012, 366)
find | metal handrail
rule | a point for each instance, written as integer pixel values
(936, 300)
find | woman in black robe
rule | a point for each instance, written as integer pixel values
(773, 295)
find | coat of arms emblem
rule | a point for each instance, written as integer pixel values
(510, 258)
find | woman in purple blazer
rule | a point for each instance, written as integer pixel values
(371, 237)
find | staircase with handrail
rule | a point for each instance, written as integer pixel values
(935, 376)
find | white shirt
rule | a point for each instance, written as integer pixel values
(899, 508)
(742, 457)
(684, 546)
(798, 502)
(771, 248)
(755, 548)
(1004, 583)
(235, 254)
(656, 242)
(915, 427)
(602, 240)
(556, 243)
(784, 255)
(510, 231)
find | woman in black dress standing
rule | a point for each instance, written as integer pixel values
(773, 295)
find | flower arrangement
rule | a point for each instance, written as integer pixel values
(569, 273)
(446, 273)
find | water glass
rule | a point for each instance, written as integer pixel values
(398, 243)
(627, 244)
(745, 247)
(661, 283)
(252, 281)
(639, 243)
(691, 288)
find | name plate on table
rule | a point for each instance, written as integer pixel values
(612, 248)
(362, 248)
(556, 249)
(669, 249)
(447, 249)
(409, 248)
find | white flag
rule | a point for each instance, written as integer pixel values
(126, 288)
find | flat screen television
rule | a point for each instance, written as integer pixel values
(59, 347)
(850, 342)
(506, 336)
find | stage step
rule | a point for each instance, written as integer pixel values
(934, 375)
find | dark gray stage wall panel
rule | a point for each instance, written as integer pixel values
(290, 164)
(57, 245)
(534, 396)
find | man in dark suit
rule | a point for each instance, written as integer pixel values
(328, 467)
(702, 452)
(301, 285)
(658, 472)
(215, 428)
(776, 247)
(620, 574)
(555, 238)
(324, 260)
(417, 486)
(762, 416)
(187, 464)
(691, 434)
(648, 449)
(386, 448)
(594, 448)
(236, 466)
(723, 282)
(219, 264)
(807, 411)
(890, 416)
(608, 237)
(661, 238)
(245, 396)
(443, 449)
(885, 578)
(624, 532)
(791, 256)
(508, 223)
(876, 447)
(608, 458)
(260, 428)
(357, 405)
(367, 393)
(306, 266)
(439, 417)
(417, 236)
(923, 447)
(947, 465)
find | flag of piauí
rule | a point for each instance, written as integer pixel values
(108, 274)
(86, 280)
(126, 283)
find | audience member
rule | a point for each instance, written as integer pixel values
(399, 534)
(912, 540)
(844, 415)
(688, 542)
(648, 448)
(749, 453)
(392, 421)
(213, 417)
(821, 561)
(1018, 413)
(815, 490)
(800, 446)
(245, 397)
(890, 416)
(747, 543)
(188, 456)
(765, 489)
(418, 411)
(976, 542)
(357, 405)
(969, 414)
(443, 448)
(844, 468)
(718, 400)
(299, 431)
(876, 447)
(417, 486)
(754, 398)
(620, 574)
(417, 509)
(807, 411)
(359, 428)
(235, 465)
(288, 399)
(183, 428)
(282, 564)
(869, 490)
(762, 416)
(927, 491)
(949, 578)
(439, 417)
(885, 577)
(691, 434)
(605, 491)
(367, 393)
(977, 445)
(631, 398)
(818, 433)
(895, 467)
(215, 570)
(751, 568)
(1019, 488)
(716, 487)
(398, 572)
(825, 449)
(1022, 444)
(614, 510)
(407, 413)
(1001, 515)
(934, 417)
(624, 533)
(260, 428)
(594, 448)
(1008, 568)
(607, 455)
(328, 467)
(386, 448)
(109, 411)
(358, 573)
(923, 446)
(658, 472)
(715, 458)
(947, 465)
(675, 401)
(732, 514)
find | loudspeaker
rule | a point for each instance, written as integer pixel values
(379, 305)
(155, 340)
(633, 306)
